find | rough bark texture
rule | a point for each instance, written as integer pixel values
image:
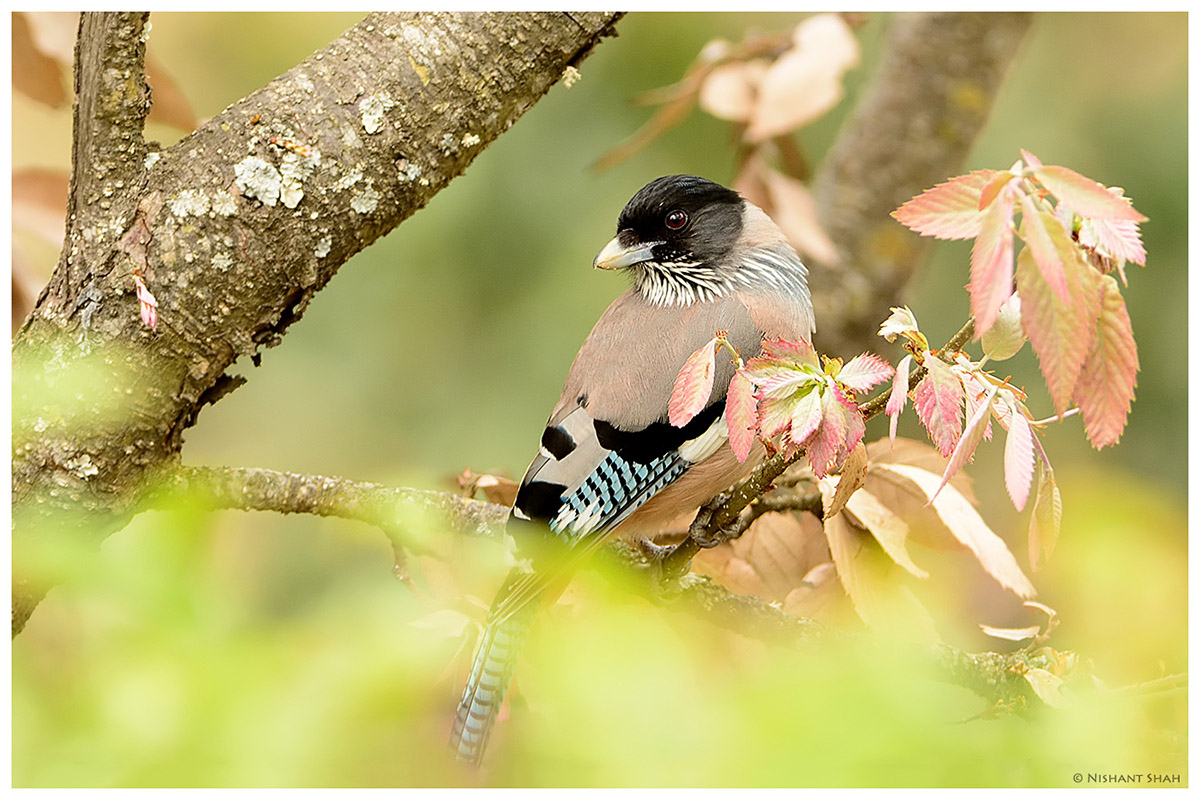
(234, 229)
(914, 128)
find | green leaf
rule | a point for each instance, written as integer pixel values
(1046, 520)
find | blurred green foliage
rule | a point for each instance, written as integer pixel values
(258, 650)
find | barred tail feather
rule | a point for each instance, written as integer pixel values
(491, 672)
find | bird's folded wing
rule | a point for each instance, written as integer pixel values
(590, 476)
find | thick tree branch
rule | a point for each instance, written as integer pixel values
(914, 127)
(235, 229)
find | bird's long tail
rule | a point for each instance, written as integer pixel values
(491, 672)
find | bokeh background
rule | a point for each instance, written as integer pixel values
(252, 649)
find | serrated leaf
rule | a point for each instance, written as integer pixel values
(971, 436)
(822, 447)
(1047, 686)
(975, 392)
(949, 210)
(776, 382)
(1018, 458)
(1084, 196)
(992, 263)
(864, 371)
(741, 415)
(968, 527)
(1046, 520)
(693, 385)
(775, 413)
(1104, 391)
(873, 582)
(888, 529)
(853, 474)
(1011, 634)
(1046, 238)
(938, 399)
(1120, 239)
(899, 396)
(901, 322)
(805, 418)
(800, 352)
(1061, 333)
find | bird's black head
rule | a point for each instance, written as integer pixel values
(680, 219)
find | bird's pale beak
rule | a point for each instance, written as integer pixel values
(617, 256)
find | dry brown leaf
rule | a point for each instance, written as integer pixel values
(39, 203)
(923, 455)
(816, 592)
(1011, 634)
(54, 33)
(854, 474)
(770, 559)
(874, 583)
(731, 90)
(170, 105)
(795, 211)
(968, 527)
(35, 74)
(499, 490)
(806, 81)
(24, 288)
(888, 529)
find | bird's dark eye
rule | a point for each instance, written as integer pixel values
(676, 219)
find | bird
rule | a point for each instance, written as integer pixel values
(702, 260)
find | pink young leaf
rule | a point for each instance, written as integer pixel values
(899, 395)
(939, 402)
(864, 371)
(800, 352)
(1084, 196)
(992, 263)
(1045, 236)
(1119, 239)
(992, 188)
(693, 385)
(1018, 457)
(972, 434)
(1105, 387)
(949, 210)
(783, 383)
(976, 392)
(146, 302)
(741, 414)
(829, 436)
(902, 322)
(1033, 161)
(774, 414)
(1061, 333)
(1046, 520)
(806, 418)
